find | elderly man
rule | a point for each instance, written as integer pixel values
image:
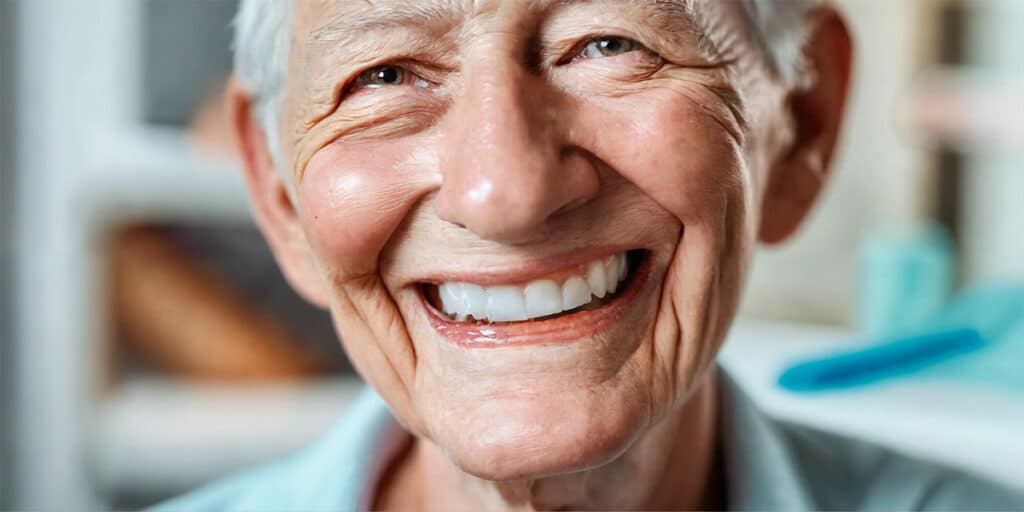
(531, 221)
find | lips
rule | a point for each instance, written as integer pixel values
(568, 304)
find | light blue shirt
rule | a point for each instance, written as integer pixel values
(769, 465)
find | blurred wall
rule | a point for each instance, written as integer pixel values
(878, 177)
(68, 91)
(993, 222)
(884, 177)
(7, 38)
(186, 42)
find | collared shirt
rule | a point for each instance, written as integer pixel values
(769, 465)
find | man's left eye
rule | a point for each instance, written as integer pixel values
(608, 46)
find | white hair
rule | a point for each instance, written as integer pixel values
(780, 26)
(261, 46)
(263, 33)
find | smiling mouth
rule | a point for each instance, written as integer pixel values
(585, 288)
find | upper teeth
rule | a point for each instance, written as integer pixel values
(540, 298)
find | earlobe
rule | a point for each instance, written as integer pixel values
(272, 207)
(796, 179)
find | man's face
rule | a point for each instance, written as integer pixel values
(459, 168)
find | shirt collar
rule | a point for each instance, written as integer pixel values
(760, 471)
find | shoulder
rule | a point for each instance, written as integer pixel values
(843, 472)
(329, 474)
(256, 489)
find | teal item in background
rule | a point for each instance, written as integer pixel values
(978, 338)
(1000, 363)
(905, 277)
(890, 359)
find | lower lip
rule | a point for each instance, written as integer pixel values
(559, 330)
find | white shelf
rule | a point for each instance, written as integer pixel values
(974, 428)
(154, 172)
(161, 436)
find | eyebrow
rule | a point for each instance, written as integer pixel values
(402, 14)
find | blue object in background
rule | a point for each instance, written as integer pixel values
(905, 277)
(978, 338)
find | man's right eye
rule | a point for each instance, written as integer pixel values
(381, 76)
(388, 75)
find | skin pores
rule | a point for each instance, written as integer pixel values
(512, 156)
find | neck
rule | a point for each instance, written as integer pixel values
(670, 468)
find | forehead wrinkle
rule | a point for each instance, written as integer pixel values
(676, 15)
(375, 18)
(680, 10)
(401, 14)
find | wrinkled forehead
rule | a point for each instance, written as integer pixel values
(419, 11)
(339, 21)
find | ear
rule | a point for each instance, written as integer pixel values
(271, 204)
(816, 110)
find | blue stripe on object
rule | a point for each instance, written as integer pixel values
(879, 362)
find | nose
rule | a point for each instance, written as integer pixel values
(506, 165)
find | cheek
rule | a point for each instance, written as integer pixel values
(673, 147)
(352, 199)
(678, 152)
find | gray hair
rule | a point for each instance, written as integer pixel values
(261, 45)
(781, 29)
(263, 30)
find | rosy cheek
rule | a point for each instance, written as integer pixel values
(674, 150)
(352, 198)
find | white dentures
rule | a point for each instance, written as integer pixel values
(537, 299)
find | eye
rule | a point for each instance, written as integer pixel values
(608, 46)
(388, 75)
(381, 76)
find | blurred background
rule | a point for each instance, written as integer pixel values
(150, 345)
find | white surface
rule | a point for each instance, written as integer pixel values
(975, 428)
(146, 173)
(162, 436)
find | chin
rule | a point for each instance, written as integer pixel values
(516, 437)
